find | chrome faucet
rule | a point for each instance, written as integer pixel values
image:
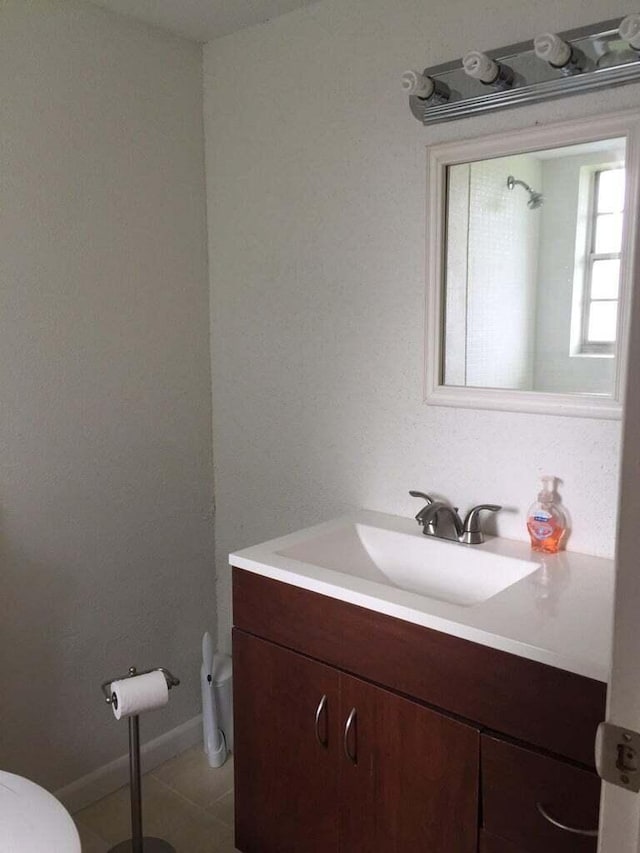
(468, 532)
(434, 512)
(431, 526)
(472, 531)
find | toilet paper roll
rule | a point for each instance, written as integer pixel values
(139, 693)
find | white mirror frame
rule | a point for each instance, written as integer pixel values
(440, 157)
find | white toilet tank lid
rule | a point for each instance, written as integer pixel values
(32, 820)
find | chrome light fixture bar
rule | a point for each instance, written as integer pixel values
(598, 56)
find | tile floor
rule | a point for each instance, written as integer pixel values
(184, 801)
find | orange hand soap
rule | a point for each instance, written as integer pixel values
(546, 521)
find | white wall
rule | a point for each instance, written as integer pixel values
(457, 274)
(316, 189)
(105, 456)
(503, 241)
(491, 274)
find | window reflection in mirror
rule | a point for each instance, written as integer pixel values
(532, 269)
(597, 310)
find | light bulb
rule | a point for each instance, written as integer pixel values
(552, 49)
(479, 66)
(630, 30)
(417, 84)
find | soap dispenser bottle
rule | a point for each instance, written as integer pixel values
(546, 521)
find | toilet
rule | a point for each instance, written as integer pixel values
(32, 820)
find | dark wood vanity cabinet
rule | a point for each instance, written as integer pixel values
(328, 762)
(286, 790)
(359, 733)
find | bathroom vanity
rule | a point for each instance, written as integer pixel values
(370, 717)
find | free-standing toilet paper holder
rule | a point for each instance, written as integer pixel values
(137, 843)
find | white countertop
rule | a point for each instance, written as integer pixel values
(560, 615)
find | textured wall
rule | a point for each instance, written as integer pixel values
(502, 249)
(316, 190)
(106, 547)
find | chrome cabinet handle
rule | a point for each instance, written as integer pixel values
(320, 710)
(351, 720)
(592, 833)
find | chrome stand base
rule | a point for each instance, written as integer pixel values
(149, 845)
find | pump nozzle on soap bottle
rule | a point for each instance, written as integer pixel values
(546, 520)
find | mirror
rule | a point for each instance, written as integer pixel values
(529, 248)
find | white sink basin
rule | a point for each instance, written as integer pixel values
(498, 594)
(447, 571)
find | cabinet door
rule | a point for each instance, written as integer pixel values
(408, 775)
(494, 844)
(285, 750)
(540, 804)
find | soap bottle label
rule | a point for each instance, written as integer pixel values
(541, 526)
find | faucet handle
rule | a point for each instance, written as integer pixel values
(472, 532)
(432, 525)
(422, 495)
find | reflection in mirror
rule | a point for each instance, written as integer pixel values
(532, 270)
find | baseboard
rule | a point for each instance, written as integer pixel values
(107, 779)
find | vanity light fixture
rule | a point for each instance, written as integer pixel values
(425, 88)
(559, 53)
(479, 66)
(581, 60)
